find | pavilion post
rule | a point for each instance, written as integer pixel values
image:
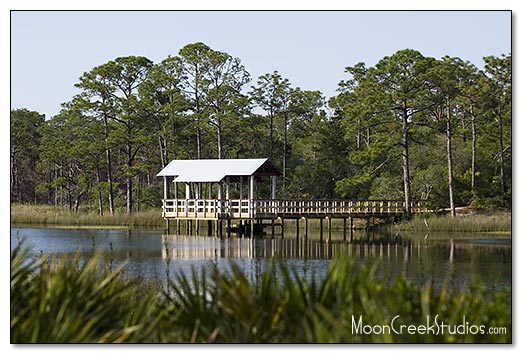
(240, 187)
(220, 197)
(208, 206)
(251, 197)
(165, 187)
(176, 198)
(165, 194)
(227, 190)
(196, 190)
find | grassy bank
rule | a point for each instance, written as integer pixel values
(499, 222)
(71, 301)
(56, 216)
(60, 216)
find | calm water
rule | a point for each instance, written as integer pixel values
(156, 256)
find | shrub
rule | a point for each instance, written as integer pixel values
(74, 301)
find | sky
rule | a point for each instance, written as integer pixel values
(50, 50)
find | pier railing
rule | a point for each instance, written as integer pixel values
(259, 208)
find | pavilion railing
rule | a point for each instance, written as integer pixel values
(259, 208)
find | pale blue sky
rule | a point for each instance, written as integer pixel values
(50, 50)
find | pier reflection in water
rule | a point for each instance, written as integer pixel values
(154, 256)
(456, 263)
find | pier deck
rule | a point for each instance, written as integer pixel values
(256, 209)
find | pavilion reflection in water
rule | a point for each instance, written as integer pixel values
(191, 247)
(418, 260)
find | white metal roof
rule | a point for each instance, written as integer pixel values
(210, 170)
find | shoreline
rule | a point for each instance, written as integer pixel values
(497, 222)
(46, 215)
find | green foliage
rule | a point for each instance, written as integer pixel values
(384, 135)
(437, 102)
(24, 148)
(151, 196)
(73, 300)
(355, 187)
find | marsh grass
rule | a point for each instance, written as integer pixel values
(59, 216)
(62, 300)
(84, 300)
(282, 308)
(56, 216)
(493, 223)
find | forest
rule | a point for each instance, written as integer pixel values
(409, 128)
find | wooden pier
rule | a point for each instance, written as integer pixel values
(249, 216)
(216, 209)
(226, 182)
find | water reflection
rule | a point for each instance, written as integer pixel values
(451, 262)
(154, 255)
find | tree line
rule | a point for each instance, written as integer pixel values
(409, 128)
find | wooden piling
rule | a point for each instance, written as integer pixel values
(321, 230)
(367, 229)
(329, 229)
(228, 228)
(351, 229)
